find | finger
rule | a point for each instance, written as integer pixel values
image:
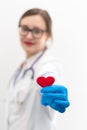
(57, 107)
(54, 96)
(54, 88)
(62, 103)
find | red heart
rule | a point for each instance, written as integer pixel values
(45, 81)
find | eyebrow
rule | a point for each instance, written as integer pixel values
(35, 27)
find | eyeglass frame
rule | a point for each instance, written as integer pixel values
(32, 31)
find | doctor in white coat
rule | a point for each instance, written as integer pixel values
(28, 105)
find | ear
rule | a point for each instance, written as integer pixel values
(48, 43)
(47, 37)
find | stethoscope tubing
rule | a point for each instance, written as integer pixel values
(31, 68)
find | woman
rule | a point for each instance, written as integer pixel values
(35, 92)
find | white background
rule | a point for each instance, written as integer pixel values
(70, 46)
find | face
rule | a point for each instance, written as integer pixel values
(33, 35)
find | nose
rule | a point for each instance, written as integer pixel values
(29, 35)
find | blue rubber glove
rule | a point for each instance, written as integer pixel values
(55, 96)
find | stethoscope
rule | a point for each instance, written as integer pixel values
(31, 68)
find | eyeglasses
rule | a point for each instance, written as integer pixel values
(36, 32)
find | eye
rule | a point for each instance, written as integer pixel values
(24, 28)
(36, 31)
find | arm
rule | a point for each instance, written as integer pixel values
(53, 95)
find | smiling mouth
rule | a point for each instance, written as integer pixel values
(29, 43)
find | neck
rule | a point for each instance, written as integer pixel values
(30, 55)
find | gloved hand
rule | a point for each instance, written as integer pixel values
(55, 96)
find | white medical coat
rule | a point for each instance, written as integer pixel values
(23, 100)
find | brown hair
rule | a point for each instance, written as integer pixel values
(44, 14)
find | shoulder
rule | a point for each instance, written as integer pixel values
(49, 65)
(48, 57)
(48, 60)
